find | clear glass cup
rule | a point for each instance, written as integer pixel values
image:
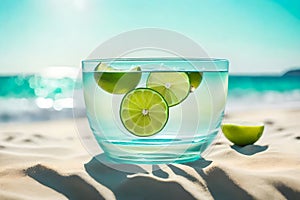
(185, 130)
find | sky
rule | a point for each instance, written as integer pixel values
(256, 36)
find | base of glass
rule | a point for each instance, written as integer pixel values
(154, 159)
(154, 151)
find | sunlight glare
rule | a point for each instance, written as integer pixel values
(79, 4)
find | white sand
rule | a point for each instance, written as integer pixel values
(47, 161)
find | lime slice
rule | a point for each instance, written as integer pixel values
(195, 79)
(117, 81)
(243, 133)
(173, 86)
(144, 112)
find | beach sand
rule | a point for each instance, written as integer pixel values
(46, 160)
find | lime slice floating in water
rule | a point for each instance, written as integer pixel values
(144, 112)
(173, 86)
(195, 80)
(117, 81)
(243, 133)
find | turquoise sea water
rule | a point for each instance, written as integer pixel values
(247, 92)
(34, 97)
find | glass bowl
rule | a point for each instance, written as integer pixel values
(155, 110)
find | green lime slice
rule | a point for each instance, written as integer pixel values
(195, 80)
(144, 112)
(243, 133)
(117, 81)
(173, 86)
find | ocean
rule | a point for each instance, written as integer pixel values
(34, 97)
(256, 92)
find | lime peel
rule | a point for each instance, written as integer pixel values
(242, 133)
(117, 81)
(195, 79)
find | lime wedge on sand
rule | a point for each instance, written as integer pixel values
(173, 86)
(144, 112)
(195, 79)
(243, 133)
(117, 81)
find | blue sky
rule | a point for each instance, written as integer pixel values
(257, 36)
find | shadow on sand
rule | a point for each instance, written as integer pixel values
(219, 184)
(173, 181)
(141, 186)
(73, 187)
(138, 187)
(250, 149)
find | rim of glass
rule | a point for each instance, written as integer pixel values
(157, 59)
(205, 64)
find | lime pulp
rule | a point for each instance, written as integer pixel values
(144, 112)
(173, 86)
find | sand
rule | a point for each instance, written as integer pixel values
(47, 160)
